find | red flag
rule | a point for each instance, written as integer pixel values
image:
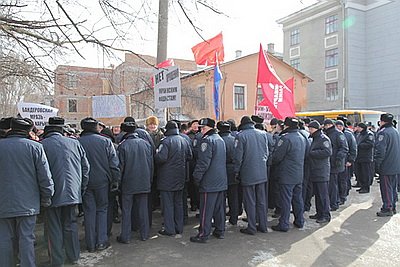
(278, 96)
(164, 64)
(206, 53)
(290, 83)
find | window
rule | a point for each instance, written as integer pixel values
(332, 91)
(202, 97)
(331, 58)
(295, 63)
(295, 37)
(331, 24)
(260, 96)
(239, 97)
(72, 80)
(72, 105)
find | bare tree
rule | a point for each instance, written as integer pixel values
(18, 78)
(42, 30)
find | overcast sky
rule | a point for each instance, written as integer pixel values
(247, 24)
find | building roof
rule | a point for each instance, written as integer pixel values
(184, 64)
(80, 69)
(240, 58)
(307, 10)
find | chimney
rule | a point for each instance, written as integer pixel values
(238, 53)
(271, 48)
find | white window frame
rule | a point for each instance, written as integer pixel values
(333, 78)
(331, 37)
(291, 55)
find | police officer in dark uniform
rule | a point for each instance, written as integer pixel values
(136, 165)
(338, 158)
(273, 185)
(188, 174)
(212, 181)
(26, 185)
(365, 157)
(319, 160)
(171, 158)
(70, 171)
(233, 184)
(251, 155)
(289, 155)
(387, 158)
(104, 172)
(344, 176)
(193, 190)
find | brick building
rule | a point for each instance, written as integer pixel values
(75, 87)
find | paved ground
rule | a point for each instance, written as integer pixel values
(354, 237)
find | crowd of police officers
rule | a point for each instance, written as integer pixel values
(213, 165)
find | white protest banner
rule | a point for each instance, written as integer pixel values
(264, 112)
(109, 106)
(38, 113)
(167, 88)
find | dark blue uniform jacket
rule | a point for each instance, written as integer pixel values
(230, 154)
(25, 177)
(69, 168)
(102, 158)
(136, 164)
(339, 149)
(387, 151)
(289, 155)
(319, 157)
(365, 146)
(171, 157)
(251, 155)
(209, 172)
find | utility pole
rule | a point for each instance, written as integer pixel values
(162, 44)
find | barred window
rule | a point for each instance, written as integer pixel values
(331, 58)
(332, 91)
(331, 24)
(72, 80)
(239, 97)
(295, 37)
(295, 63)
(72, 105)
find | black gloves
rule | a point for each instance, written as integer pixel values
(114, 187)
(45, 202)
(237, 177)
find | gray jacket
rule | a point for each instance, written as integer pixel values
(251, 155)
(171, 158)
(25, 177)
(352, 144)
(230, 156)
(69, 168)
(136, 164)
(209, 172)
(103, 160)
(289, 155)
(319, 155)
(387, 151)
(339, 149)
